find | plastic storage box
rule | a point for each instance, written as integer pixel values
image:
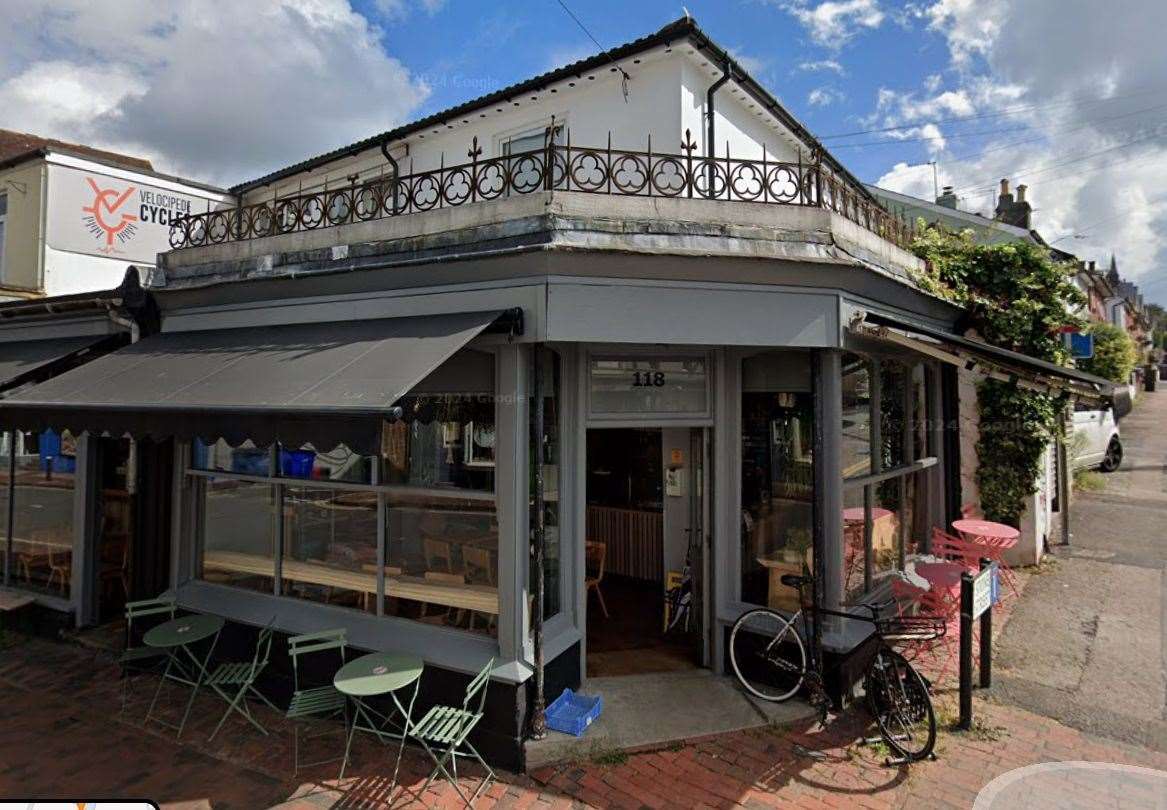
(297, 463)
(572, 713)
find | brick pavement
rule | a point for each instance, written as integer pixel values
(60, 736)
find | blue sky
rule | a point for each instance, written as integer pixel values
(1067, 97)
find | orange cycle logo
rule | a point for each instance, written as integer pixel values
(106, 218)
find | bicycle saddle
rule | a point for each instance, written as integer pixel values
(794, 580)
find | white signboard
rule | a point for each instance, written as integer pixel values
(116, 217)
(620, 384)
(985, 590)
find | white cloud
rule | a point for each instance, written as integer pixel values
(823, 96)
(1094, 149)
(221, 92)
(833, 23)
(821, 65)
(753, 64)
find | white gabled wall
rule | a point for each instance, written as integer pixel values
(667, 95)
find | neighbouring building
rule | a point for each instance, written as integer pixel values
(72, 217)
(563, 322)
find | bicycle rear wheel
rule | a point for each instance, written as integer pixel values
(767, 655)
(898, 697)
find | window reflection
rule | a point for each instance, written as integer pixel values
(777, 476)
(42, 540)
(856, 444)
(330, 546)
(238, 533)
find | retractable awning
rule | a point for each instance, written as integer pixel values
(990, 360)
(319, 383)
(26, 361)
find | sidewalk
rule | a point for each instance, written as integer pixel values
(60, 737)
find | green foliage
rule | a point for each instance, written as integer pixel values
(1114, 353)
(1016, 298)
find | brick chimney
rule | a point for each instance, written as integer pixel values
(1013, 211)
(947, 199)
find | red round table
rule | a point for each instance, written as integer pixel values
(995, 539)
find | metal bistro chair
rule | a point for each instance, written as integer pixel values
(315, 702)
(242, 675)
(446, 728)
(137, 657)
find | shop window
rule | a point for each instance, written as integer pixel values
(238, 523)
(777, 476)
(439, 546)
(42, 536)
(330, 546)
(856, 445)
(550, 467)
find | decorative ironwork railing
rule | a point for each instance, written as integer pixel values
(555, 166)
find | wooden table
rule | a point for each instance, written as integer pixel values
(479, 598)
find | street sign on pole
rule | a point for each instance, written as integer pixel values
(978, 594)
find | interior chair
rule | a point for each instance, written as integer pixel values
(444, 613)
(443, 733)
(241, 676)
(481, 570)
(960, 551)
(594, 556)
(137, 657)
(315, 702)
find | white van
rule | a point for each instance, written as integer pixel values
(1096, 440)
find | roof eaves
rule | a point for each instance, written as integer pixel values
(677, 29)
(684, 27)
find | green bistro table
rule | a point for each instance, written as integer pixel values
(177, 638)
(373, 675)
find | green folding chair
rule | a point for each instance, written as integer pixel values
(314, 702)
(446, 728)
(136, 657)
(241, 676)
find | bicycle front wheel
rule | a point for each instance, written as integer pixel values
(899, 699)
(767, 655)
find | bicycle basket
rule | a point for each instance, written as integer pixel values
(911, 628)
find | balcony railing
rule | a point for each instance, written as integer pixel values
(555, 166)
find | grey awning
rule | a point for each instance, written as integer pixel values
(323, 383)
(26, 360)
(1008, 362)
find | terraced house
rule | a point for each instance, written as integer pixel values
(492, 384)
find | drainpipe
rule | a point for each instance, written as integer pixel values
(392, 161)
(539, 709)
(710, 132)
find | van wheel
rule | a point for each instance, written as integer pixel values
(1113, 456)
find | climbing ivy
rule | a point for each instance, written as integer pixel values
(1015, 297)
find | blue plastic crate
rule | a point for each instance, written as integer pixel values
(297, 463)
(572, 713)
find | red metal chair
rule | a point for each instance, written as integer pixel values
(943, 605)
(964, 552)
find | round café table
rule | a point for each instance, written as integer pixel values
(995, 539)
(371, 676)
(177, 638)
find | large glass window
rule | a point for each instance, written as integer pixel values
(882, 521)
(856, 416)
(238, 527)
(42, 537)
(777, 476)
(313, 522)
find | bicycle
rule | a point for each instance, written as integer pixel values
(769, 658)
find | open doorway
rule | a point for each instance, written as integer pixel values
(645, 514)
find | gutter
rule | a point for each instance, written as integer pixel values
(710, 125)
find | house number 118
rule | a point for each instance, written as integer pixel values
(648, 379)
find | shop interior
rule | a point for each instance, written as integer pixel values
(643, 599)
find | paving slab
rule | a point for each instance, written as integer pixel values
(654, 710)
